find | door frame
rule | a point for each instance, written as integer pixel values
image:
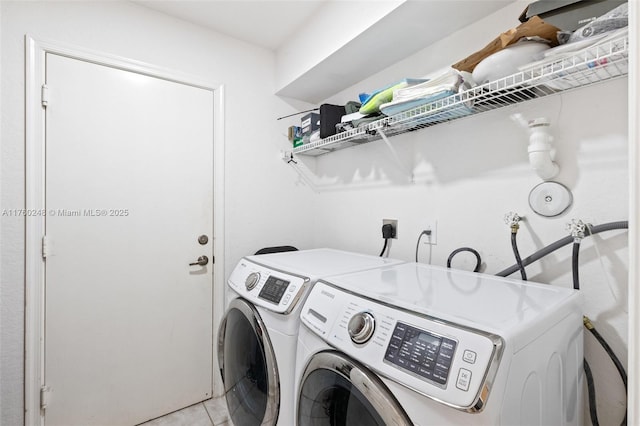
(35, 52)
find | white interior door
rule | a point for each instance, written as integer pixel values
(129, 190)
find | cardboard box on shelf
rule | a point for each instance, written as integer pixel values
(310, 123)
(569, 15)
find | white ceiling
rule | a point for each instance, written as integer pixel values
(266, 23)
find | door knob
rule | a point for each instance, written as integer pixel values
(202, 260)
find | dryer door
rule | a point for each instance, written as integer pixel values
(248, 366)
(336, 390)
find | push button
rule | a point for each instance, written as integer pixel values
(469, 356)
(464, 379)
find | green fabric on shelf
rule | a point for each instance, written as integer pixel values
(379, 97)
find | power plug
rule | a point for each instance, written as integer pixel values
(388, 231)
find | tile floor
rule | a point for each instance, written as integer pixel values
(212, 412)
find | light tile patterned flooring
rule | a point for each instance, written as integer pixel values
(212, 412)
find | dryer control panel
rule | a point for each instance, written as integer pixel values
(274, 290)
(450, 363)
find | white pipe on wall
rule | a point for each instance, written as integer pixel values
(541, 152)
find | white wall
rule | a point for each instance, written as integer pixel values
(470, 173)
(264, 203)
(333, 26)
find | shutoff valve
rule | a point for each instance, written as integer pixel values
(576, 229)
(513, 220)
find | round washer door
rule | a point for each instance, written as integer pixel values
(248, 366)
(336, 390)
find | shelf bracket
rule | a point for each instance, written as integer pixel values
(288, 158)
(401, 164)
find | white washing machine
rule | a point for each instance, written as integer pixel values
(414, 344)
(258, 334)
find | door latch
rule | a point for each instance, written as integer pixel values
(202, 260)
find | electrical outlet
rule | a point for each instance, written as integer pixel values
(430, 225)
(394, 223)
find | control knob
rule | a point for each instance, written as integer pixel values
(361, 327)
(252, 280)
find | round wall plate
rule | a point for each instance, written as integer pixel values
(550, 199)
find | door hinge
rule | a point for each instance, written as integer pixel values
(45, 397)
(44, 95)
(45, 247)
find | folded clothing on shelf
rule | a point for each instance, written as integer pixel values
(404, 99)
(372, 103)
(359, 122)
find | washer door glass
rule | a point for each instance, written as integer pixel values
(339, 392)
(248, 367)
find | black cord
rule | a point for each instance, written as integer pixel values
(591, 390)
(575, 263)
(386, 240)
(469, 249)
(425, 232)
(516, 253)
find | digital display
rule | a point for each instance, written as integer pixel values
(421, 352)
(273, 289)
(429, 339)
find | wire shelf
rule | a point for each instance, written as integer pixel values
(555, 74)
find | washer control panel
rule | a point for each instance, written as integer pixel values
(275, 290)
(421, 352)
(445, 361)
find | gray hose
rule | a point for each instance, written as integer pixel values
(561, 243)
(516, 253)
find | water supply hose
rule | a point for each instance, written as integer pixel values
(591, 391)
(561, 243)
(616, 361)
(589, 230)
(575, 263)
(577, 228)
(513, 220)
(516, 253)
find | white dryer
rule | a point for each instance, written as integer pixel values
(414, 344)
(258, 334)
